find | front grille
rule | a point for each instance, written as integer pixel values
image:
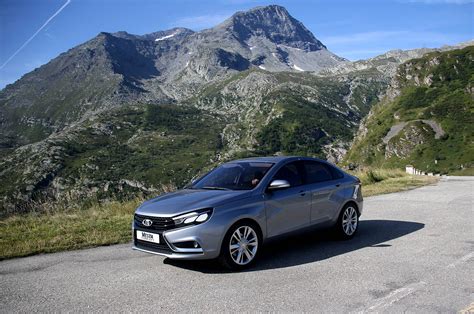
(161, 247)
(159, 223)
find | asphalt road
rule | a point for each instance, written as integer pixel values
(414, 252)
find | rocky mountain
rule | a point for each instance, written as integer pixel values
(125, 115)
(426, 119)
(162, 67)
(387, 63)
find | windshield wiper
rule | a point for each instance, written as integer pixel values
(214, 188)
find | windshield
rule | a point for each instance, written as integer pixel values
(234, 176)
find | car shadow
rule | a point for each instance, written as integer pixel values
(313, 246)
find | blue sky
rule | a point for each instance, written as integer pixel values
(35, 31)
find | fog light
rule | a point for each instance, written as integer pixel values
(187, 245)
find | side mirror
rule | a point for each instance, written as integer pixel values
(278, 184)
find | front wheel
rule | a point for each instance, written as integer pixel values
(240, 246)
(348, 222)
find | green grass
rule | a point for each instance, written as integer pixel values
(110, 223)
(383, 181)
(33, 233)
(464, 172)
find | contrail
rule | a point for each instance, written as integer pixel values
(36, 33)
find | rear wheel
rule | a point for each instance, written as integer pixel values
(348, 222)
(240, 246)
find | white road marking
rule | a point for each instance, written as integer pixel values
(395, 296)
(461, 260)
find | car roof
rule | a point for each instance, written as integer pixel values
(275, 159)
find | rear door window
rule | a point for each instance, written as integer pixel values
(317, 172)
(336, 173)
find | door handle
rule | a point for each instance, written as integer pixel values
(302, 193)
(338, 185)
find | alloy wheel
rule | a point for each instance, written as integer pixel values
(349, 221)
(243, 245)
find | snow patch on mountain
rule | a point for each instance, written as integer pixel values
(166, 37)
(297, 68)
(288, 47)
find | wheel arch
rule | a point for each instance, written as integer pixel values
(249, 220)
(240, 221)
(350, 202)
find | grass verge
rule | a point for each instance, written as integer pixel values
(383, 181)
(33, 233)
(110, 223)
(463, 172)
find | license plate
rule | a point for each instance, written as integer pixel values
(147, 236)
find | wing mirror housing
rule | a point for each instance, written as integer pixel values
(278, 185)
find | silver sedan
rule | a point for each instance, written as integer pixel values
(231, 211)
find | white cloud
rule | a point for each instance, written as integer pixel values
(201, 21)
(49, 35)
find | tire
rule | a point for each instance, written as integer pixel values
(240, 253)
(348, 222)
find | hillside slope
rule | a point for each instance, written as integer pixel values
(428, 119)
(123, 115)
(136, 149)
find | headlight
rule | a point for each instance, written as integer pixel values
(193, 218)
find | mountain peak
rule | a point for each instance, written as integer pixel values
(273, 22)
(273, 8)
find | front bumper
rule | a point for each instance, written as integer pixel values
(173, 255)
(207, 237)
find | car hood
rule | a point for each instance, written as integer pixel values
(183, 201)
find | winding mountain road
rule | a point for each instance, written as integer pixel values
(414, 252)
(395, 129)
